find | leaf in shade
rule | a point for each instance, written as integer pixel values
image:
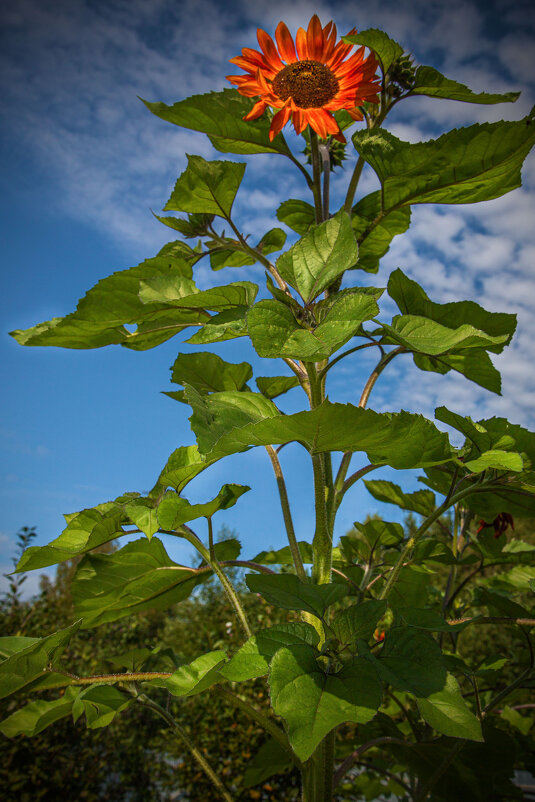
(432, 83)
(284, 556)
(287, 591)
(253, 658)
(422, 501)
(208, 373)
(165, 291)
(385, 48)
(220, 115)
(358, 622)
(226, 325)
(174, 511)
(272, 241)
(100, 704)
(206, 187)
(411, 660)
(447, 712)
(28, 663)
(319, 257)
(429, 337)
(142, 513)
(297, 215)
(184, 464)
(270, 759)
(312, 703)
(474, 364)
(466, 165)
(497, 460)
(138, 577)
(273, 386)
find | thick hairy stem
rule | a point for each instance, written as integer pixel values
(322, 543)
(287, 515)
(188, 743)
(316, 175)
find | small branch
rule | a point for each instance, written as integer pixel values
(344, 576)
(333, 362)
(263, 569)
(196, 753)
(352, 188)
(287, 515)
(356, 476)
(381, 365)
(344, 767)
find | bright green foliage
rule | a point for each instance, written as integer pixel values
(312, 702)
(385, 48)
(206, 187)
(467, 165)
(447, 712)
(184, 464)
(375, 230)
(27, 662)
(100, 704)
(253, 658)
(297, 215)
(208, 373)
(272, 386)
(34, 717)
(174, 511)
(197, 676)
(316, 260)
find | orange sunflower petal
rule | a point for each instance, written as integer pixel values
(269, 50)
(315, 39)
(279, 121)
(285, 43)
(257, 110)
(301, 44)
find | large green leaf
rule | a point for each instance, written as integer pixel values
(208, 373)
(220, 115)
(385, 48)
(447, 712)
(184, 464)
(475, 433)
(272, 386)
(164, 290)
(401, 440)
(174, 511)
(101, 315)
(197, 676)
(312, 703)
(357, 622)
(100, 704)
(297, 215)
(85, 530)
(30, 662)
(275, 331)
(413, 300)
(373, 237)
(217, 413)
(319, 257)
(466, 165)
(138, 577)
(284, 556)
(432, 83)
(253, 658)
(206, 187)
(224, 326)
(422, 501)
(34, 717)
(475, 364)
(411, 660)
(290, 593)
(426, 336)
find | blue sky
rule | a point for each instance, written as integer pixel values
(84, 162)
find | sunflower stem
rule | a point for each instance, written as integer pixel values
(326, 165)
(316, 174)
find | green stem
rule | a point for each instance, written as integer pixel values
(287, 515)
(228, 587)
(378, 369)
(316, 175)
(196, 753)
(326, 165)
(353, 184)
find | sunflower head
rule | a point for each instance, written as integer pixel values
(306, 80)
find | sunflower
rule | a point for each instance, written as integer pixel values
(307, 80)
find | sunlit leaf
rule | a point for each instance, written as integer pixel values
(447, 712)
(385, 48)
(174, 511)
(297, 215)
(206, 187)
(253, 658)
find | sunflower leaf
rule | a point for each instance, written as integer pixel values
(432, 83)
(385, 48)
(206, 187)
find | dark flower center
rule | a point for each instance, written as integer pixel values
(309, 83)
